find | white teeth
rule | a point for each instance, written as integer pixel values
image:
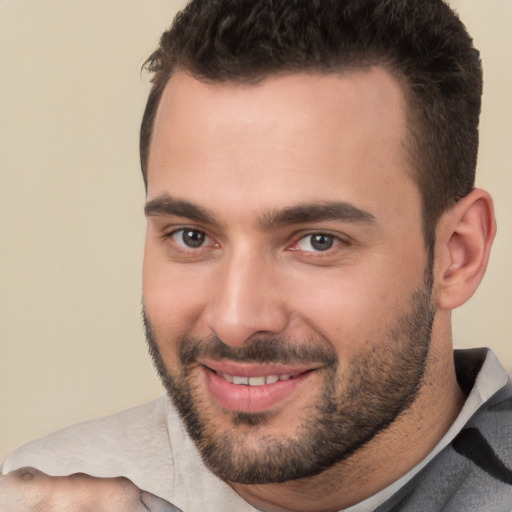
(254, 381)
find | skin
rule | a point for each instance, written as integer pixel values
(29, 490)
(241, 153)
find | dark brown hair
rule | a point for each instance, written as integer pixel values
(422, 42)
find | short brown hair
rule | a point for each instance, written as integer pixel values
(422, 42)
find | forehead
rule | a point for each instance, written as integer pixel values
(286, 139)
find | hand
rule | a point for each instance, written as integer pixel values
(30, 490)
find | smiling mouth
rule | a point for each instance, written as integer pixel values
(256, 381)
(252, 388)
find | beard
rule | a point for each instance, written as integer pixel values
(352, 406)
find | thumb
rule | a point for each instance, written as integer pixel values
(155, 504)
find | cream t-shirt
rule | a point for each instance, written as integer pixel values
(148, 445)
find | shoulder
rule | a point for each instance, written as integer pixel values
(473, 471)
(98, 447)
(146, 444)
(486, 440)
(487, 436)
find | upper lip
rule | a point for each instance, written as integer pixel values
(255, 369)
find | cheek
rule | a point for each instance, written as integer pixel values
(356, 306)
(174, 295)
(347, 318)
(169, 307)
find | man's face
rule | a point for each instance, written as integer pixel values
(286, 281)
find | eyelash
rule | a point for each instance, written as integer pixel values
(336, 241)
(339, 243)
(183, 230)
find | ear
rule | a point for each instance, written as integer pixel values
(464, 237)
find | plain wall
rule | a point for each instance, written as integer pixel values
(71, 201)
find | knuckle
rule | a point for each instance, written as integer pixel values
(23, 489)
(30, 490)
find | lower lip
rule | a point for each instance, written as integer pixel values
(251, 399)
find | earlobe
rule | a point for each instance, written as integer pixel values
(464, 238)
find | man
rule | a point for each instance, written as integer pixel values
(312, 223)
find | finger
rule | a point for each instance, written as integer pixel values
(29, 490)
(22, 490)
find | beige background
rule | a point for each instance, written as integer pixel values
(71, 198)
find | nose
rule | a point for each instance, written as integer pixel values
(246, 301)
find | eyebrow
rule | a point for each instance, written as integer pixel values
(166, 205)
(316, 212)
(299, 214)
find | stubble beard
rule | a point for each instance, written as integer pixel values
(351, 409)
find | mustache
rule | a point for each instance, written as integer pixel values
(263, 349)
(258, 349)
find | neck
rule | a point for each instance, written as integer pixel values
(406, 442)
